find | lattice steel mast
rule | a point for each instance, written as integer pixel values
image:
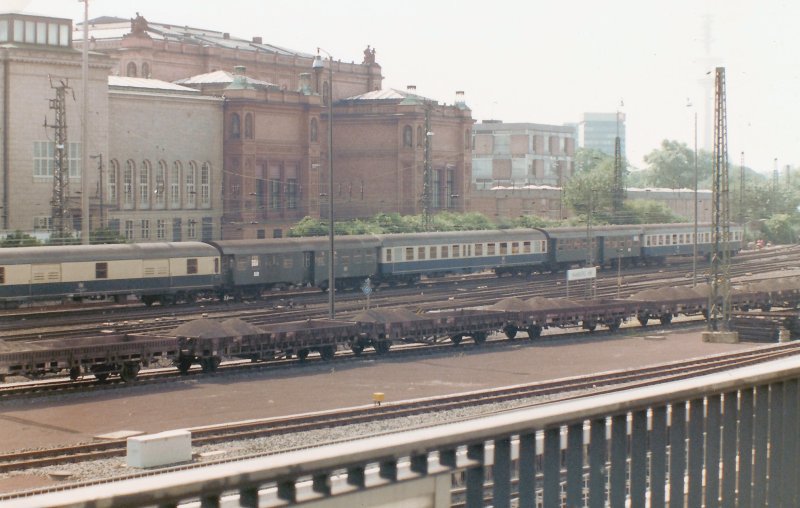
(719, 314)
(60, 201)
(427, 196)
(618, 191)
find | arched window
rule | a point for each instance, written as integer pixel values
(191, 179)
(175, 185)
(235, 126)
(145, 70)
(144, 185)
(248, 126)
(111, 182)
(127, 185)
(314, 130)
(160, 185)
(407, 137)
(131, 72)
(419, 135)
(205, 185)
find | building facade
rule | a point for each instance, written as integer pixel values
(518, 154)
(598, 131)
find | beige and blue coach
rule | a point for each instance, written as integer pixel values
(162, 272)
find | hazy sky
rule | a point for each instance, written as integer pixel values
(543, 62)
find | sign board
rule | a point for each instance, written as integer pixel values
(581, 273)
(367, 287)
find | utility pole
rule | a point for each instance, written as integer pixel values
(59, 201)
(618, 192)
(719, 309)
(427, 196)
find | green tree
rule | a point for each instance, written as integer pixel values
(65, 239)
(106, 236)
(19, 239)
(781, 228)
(672, 166)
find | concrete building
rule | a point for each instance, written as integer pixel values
(598, 131)
(521, 154)
(37, 57)
(162, 179)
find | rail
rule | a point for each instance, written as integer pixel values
(717, 440)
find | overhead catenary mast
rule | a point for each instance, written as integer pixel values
(61, 219)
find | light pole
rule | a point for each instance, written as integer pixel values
(318, 65)
(694, 246)
(99, 158)
(85, 228)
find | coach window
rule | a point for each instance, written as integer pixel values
(514, 247)
(388, 255)
(191, 266)
(101, 270)
(456, 251)
(479, 249)
(503, 248)
(490, 249)
(409, 253)
(253, 261)
(216, 265)
(675, 239)
(468, 251)
(421, 253)
(526, 247)
(445, 252)
(432, 252)
(2, 274)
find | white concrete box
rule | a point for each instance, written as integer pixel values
(151, 450)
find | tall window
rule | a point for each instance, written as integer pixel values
(160, 185)
(275, 194)
(436, 192)
(144, 185)
(161, 229)
(145, 70)
(175, 185)
(450, 188)
(129, 230)
(205, 185)
(191, 230)
(145, 229)
(248, 126)
(131, 71)
(407, 136)
(314, 130)
(113, 174)
(127, 184)
(291, 193)
(191, 193)
(235, 126)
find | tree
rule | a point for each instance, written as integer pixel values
(106, 236)
(672, 166)
(19, 239)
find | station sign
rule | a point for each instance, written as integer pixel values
(581, 273)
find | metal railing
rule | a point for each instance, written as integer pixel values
(727, 439)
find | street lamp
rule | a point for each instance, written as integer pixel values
(694, 247)
(318, 65)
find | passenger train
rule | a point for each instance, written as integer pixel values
(169, 272)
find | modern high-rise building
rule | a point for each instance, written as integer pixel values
(598, 131)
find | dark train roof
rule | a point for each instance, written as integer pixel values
(400, 239)
(581, 231)
(111, 252)
(300, 244)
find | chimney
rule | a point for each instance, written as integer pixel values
(258, 40)
(460, 97)
(226, 35)
(411, 88)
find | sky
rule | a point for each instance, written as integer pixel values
(544, 62)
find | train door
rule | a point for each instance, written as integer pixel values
(308, 267)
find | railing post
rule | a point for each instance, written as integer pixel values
(475, 476)
(501, 473)
(677, 454)
(575, 464)
(527, 469)
(619, 452)
(775, 445)
(597, 464)
(639, 458)
(551, 488)
(696, 453)
(760, 423)
(745, 479)
(658, 458)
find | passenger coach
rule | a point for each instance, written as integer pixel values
(155, 272)
(404, 257)
(662, 240)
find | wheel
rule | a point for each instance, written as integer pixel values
(590, 325)
(643, 319)
(479, 338)
(74, 373)
(129, 372)
(534, 332)
(766, 307)
(456, 339)
(101, 372)
(613, 326)
(209, 364)
(382, 346)
(147, 301)
(327, 353)
(510, 331)
(665, 319)
(303, 354)
(101, 376)
(184, 364)
(357, 350)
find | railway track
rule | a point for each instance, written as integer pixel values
(526, 395)
(468, 291)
